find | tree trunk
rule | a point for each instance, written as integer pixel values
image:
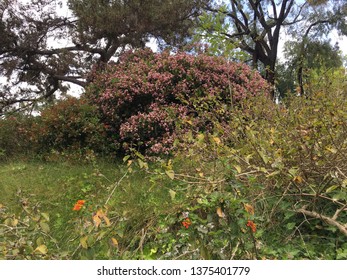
(271, 79)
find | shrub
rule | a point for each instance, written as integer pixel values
(142, 96)
(70, 125)
(16, 136)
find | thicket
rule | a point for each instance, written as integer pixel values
(70, 128)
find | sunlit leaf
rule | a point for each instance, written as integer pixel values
(217, 140)
(45, 227)
(15, 222)
(330, 189)
(170, 173)
(96, 220)
(238, 168)
(332, 150)
(42, 249)
(249, 208)
(220, 212)
(142, 164)
(114, 242)
(83, 242)
(126, 158)
(107, 220)
(46, 216)
(298, 179)
(172, 194)
(40, 241)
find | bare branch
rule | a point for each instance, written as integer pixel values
(342, 228)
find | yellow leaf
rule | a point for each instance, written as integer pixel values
(107, 221)
(200, 137)
(170, 173)
(96, 220)
(298, 179)
(15, 222)
(142, 164)
(332, 150)
(114, 242)
(220, 212)
(201, 174)
(249, 208)
(42, 249)
(46, 216)
(238, 168)
(217, 140)
(83, 242)
(100, 213)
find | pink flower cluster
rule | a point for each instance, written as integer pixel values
(143, 95)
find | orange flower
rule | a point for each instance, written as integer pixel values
(252, 225)
(187, 222)
(78, 205)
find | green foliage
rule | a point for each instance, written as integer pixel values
(70, 124)
(305, 60)
(16, 136)
(24, 236)
(212, 30)
(297, 154)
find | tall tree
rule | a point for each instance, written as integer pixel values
(304, 58)
(41, 47)
(255, 26)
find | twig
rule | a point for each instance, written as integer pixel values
(328, 220)
(186, 253)
(339, 170)
(116, 185)
(235, 250)
(338, 211)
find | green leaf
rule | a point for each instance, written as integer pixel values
(290, 226)
(40, 241)
(330, 189)
(83, 242)
(45, 227)
(142, 164)
(172, 194)
(46, 216)
(125, 159)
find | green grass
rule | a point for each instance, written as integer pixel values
(50, 184)
(133, 201)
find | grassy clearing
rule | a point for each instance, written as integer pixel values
(45, 193)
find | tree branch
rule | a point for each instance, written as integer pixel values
(342, 228)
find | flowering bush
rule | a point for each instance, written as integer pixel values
(142, 96)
